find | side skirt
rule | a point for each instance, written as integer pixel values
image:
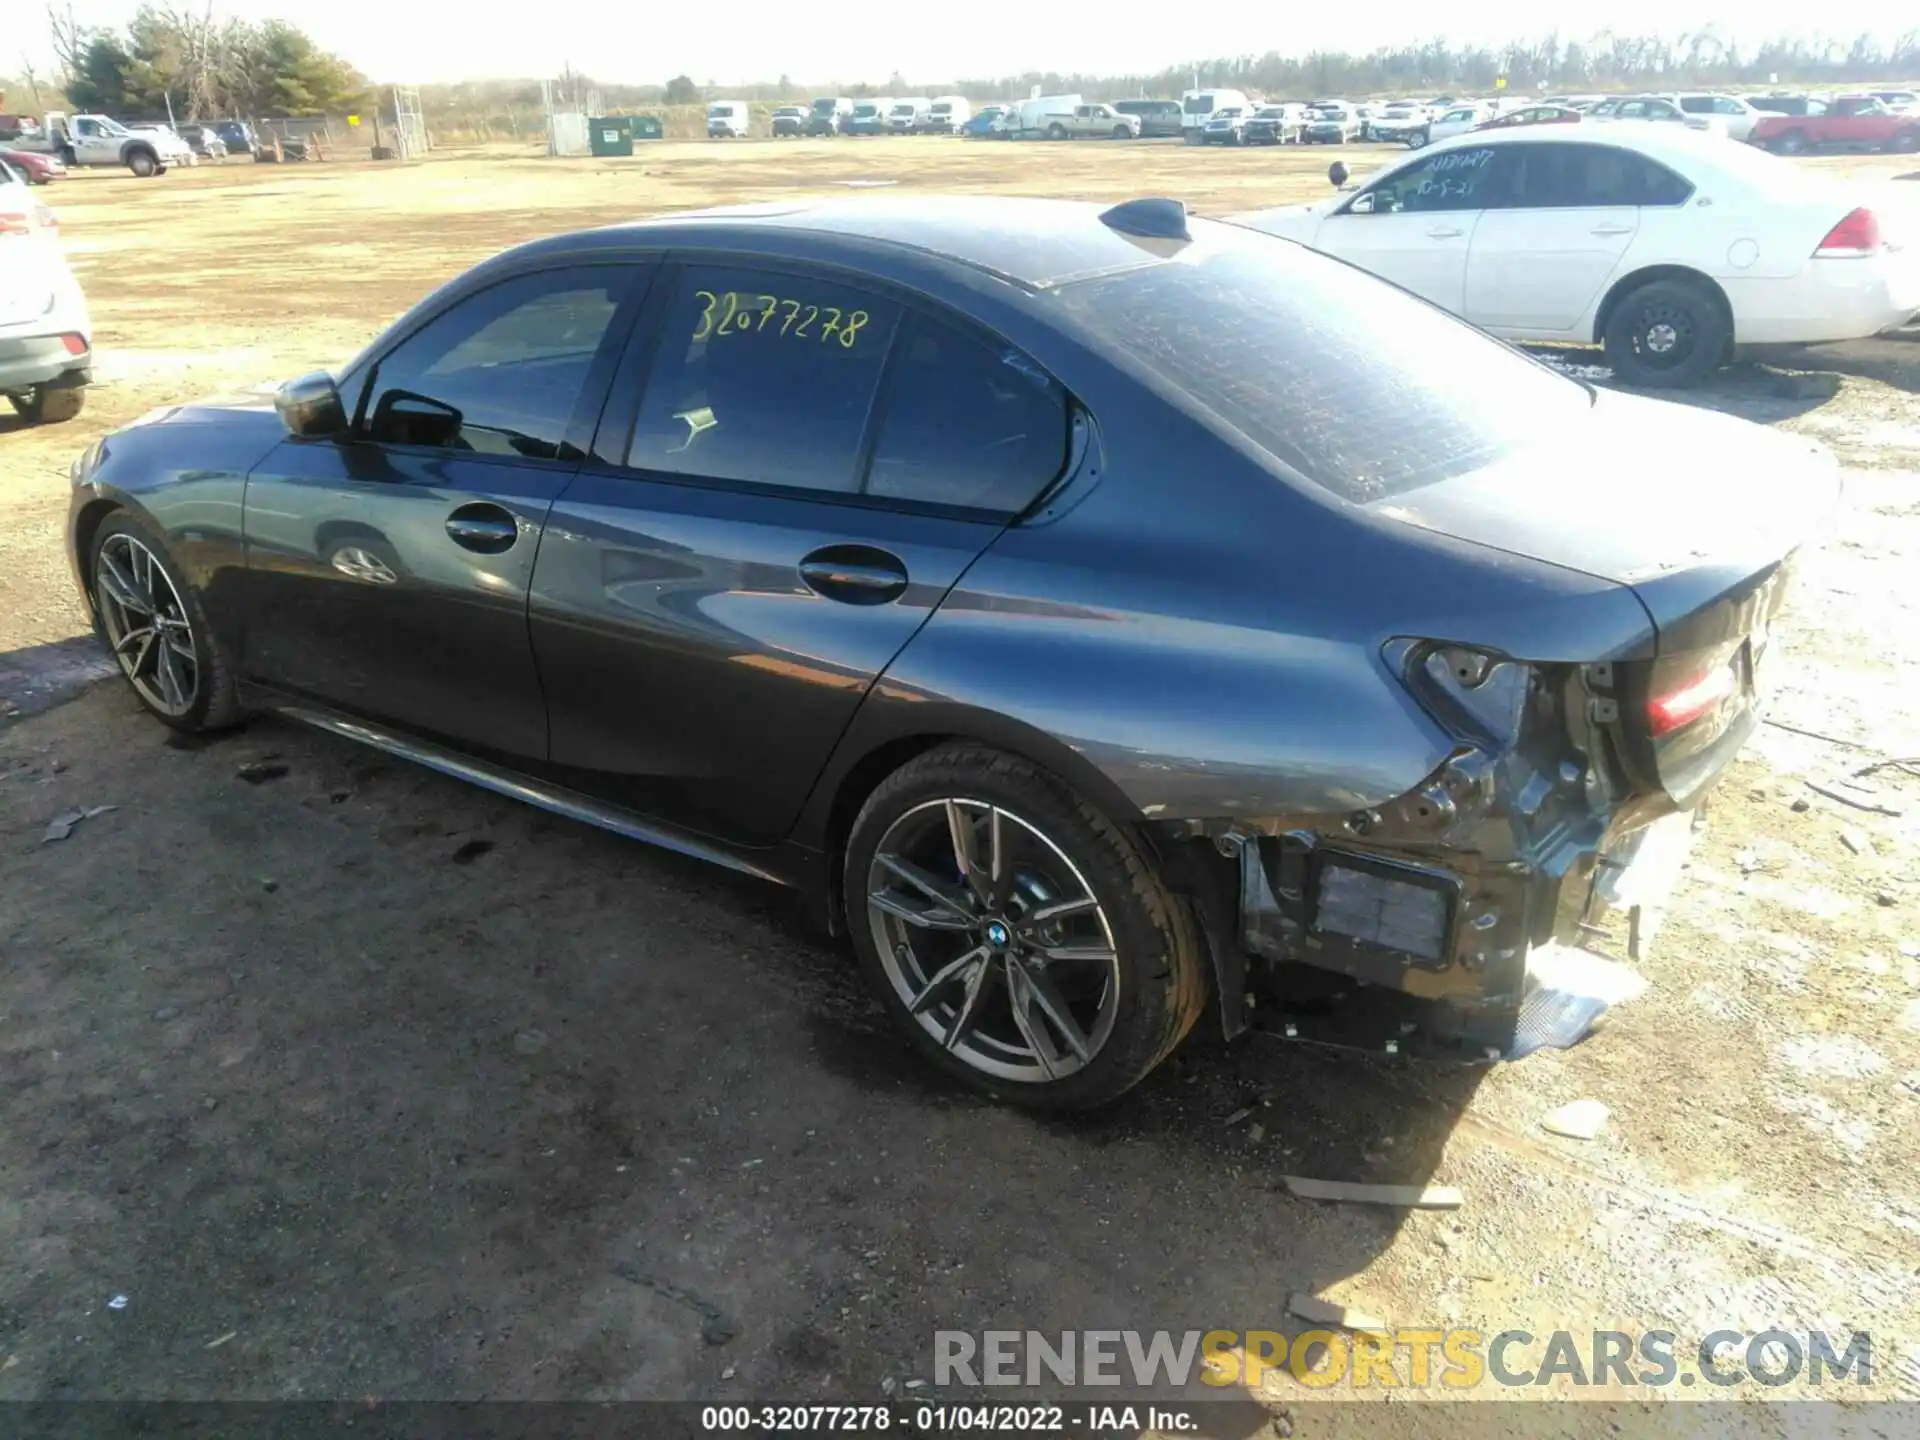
(554, 799)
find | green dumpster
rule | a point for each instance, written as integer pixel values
(610, 135)
(647, 127)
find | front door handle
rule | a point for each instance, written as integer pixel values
(484, 527)
(1613, 229)
(854, 574)
(1445, 232)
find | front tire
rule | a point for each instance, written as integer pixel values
(1024, 942)
(1666, 335)
(153, 623)
(1417, 139)
(1794, 142)
(143, 163)
(48, 404)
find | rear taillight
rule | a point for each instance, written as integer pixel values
(75, 344)
(16, 222)
(1854, 238)
(1677, 709)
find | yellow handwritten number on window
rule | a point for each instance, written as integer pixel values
(738, 312)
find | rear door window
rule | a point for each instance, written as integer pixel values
(966, 421)
(1579, 176)
(763, 377)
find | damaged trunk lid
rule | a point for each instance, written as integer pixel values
(1702, 517)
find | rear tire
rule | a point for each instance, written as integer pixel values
(1417, 139)
(214, 702)
(49, 404)
(1126, 962)
(1794, 142)
(1666, 335)
(1056, 131)
(1907, 141)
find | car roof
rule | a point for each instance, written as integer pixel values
(1032, 242)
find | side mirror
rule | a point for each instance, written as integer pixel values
(1337, 174)
(310, 407)
(405, 418)
(1362, 204)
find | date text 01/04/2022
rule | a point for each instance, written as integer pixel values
(931, 1417)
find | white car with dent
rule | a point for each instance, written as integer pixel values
(1666, 246)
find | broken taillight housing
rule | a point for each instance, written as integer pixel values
(1854, 238)
(1699, 696)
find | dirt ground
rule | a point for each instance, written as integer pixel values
(345, 1105)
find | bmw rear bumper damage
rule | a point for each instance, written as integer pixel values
(1487, 912)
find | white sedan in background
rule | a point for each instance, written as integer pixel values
(1666, 246)
(46, 339)
(1456, 121)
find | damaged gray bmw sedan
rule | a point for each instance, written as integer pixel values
(1108, 615)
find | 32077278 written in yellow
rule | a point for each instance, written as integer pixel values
(737, 312)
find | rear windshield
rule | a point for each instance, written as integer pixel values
(1353, 384)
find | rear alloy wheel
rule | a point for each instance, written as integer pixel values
(1907, 141)
(153, 624)
(1020, 938)
(1665, 335)
(49, 404)
(1417, 139)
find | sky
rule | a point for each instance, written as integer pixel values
(743, 41)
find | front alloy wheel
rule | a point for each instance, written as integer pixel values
(147, 626)
(1023, 941)
(152, 622)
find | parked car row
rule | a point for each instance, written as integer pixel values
(842, 115)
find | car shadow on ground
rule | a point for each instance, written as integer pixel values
(356, 1081)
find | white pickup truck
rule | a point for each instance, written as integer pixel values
(100, 141)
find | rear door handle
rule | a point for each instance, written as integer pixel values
(854, 574)
(1445, 232)
(1613, 230)
(484, 527)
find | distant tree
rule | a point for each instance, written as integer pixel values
(100, 79)
(682, 91)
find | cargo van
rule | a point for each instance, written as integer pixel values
(869, 117)
(728, 120)
(1197, 106)
(948, 115)
(829, 115)
(908, 115)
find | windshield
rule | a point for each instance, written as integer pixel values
(903, 109)
(1357, 386)
(866, 111)
(1226, 114)
(941, 107)
(824, 107)
(719, 112)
